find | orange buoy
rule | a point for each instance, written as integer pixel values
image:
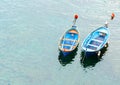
(76, 16)
(112, 16)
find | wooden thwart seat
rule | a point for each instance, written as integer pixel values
(69, 39)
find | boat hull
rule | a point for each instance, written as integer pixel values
(66, 53)
(96, 54)
(69, 41)
(96, 40)
(68, 59)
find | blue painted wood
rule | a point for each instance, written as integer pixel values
(96, 40)
(69, 40)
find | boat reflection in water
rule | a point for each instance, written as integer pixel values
(92, 59)
(64, 60)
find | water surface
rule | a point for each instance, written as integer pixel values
(29, 35)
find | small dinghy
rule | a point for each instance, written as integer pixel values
(96, 40)
(70, 40)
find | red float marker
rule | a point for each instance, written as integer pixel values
(112, 16)
(76, 16)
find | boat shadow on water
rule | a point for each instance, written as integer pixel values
(64, 60)
(91, 60)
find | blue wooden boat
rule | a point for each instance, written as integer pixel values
(69, 41)
(96, 40)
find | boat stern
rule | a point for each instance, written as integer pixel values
(65, 53)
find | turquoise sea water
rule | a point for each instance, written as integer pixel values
(29, 35)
